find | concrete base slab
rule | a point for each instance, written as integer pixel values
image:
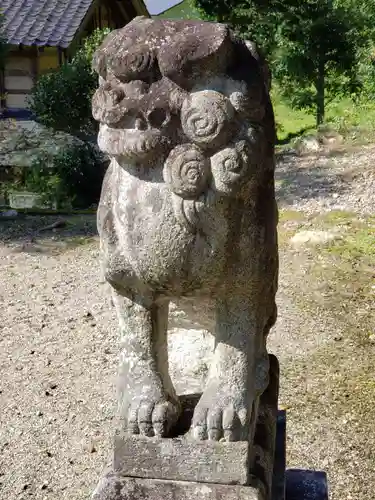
(115, 487)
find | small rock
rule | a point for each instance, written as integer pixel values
(372, 338)
(25, 487)
(40, 414)
(52, 385)
(314, 237)
(337, 338)
(308, 144)
(44, 486)
(90, 446)
(47, 393)
(88, 315)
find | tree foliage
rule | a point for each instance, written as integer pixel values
(62, 99)
(313, 46)
(246, 17)
(316, 56)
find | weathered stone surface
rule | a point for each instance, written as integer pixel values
(190, 352)
(188, 213)
(182, 459)
(114, 487)
(22, 142)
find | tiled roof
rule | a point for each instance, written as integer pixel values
(43, 22)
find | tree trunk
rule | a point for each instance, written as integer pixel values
(320, 84)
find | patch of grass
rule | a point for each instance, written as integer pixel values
(352, 119)
(355, 121)
(77, 241)
(289, 222)
(359, 244)
(337, 278)
(286, 215)
(341, 276)
(336, 217)
(289, 121)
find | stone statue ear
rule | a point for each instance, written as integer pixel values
(199, 50)
(258, 55)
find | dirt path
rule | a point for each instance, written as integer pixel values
(58, 348)
(323, 336)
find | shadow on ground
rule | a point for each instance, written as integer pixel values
(33, 234)
(301, 177)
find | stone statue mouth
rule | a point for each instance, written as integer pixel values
(132, 143)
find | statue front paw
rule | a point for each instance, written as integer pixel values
(153, 416)
(222, 415)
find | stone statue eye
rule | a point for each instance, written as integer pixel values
(158, 117)
(116, 95)
(133, 120)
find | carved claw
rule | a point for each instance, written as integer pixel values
(152, 419)
(220, 422)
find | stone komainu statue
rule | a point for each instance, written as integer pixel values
(188, 214)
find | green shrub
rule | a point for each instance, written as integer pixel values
(72, 177)
(62, 99)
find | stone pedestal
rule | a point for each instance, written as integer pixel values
(146, 468)
(292, 484)
(115, 487)
(183, 468)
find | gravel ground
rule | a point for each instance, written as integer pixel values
(58, 350)
(324, 181)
